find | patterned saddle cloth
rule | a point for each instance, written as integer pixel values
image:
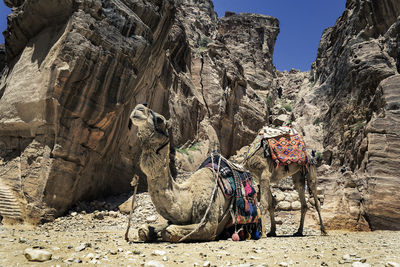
(235, 182)
(288, 149)
(284, 144)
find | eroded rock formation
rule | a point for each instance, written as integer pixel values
(67, 94)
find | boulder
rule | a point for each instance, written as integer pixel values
(37, 255)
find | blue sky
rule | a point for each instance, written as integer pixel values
(4, 11)
(301, 23)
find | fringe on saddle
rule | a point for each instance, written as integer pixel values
(284, 145)
(238, 184)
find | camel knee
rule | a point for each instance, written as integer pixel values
(147, 233)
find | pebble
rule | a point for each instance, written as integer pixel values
(158, 253)
(22, 240)
(81, 247)
(346, 257)
(151, 219)
(37, 255)
(284, 264)
(153, 264)
(392, 264)
(207, 264)
(113, 251)
(90, 256)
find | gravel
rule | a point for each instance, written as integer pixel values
(80, 238)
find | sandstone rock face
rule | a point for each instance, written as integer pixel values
(77, 68)
(229, 77)
(67, 95)
(381, 158)
(356, 82)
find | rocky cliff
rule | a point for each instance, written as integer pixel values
(75, 70)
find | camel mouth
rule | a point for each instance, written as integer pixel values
(138, 115)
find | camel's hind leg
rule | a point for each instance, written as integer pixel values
(312, 184)
(267, 201)
(299, 184)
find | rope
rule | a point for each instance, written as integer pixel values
(211, 199)
(134, 183)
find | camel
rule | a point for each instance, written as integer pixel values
(265, 172)
(182, 205)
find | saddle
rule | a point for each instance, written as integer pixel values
(237, 184)
(284, 144)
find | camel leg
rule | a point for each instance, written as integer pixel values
(312, 184)
(173, 233)
(151, 232)
(267, 201)
(299, 184)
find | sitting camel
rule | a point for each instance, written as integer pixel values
(183, 204)
(264, 170)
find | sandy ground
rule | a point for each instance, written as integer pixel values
(89, 238)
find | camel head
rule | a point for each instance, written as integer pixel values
(152, 127)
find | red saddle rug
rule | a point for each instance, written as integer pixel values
(288, 149)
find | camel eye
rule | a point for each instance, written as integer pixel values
(160, 120)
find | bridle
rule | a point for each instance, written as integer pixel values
(161, 131)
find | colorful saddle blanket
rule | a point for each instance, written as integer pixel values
(237, 183)
(283, 144)
(288, 149)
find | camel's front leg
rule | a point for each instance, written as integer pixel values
(151, 232)
(174, 233)
(267, 202)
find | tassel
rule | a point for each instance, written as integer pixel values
(256, 235)
(235, 236)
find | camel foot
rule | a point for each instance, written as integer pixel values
(170, 236)
(147, 234)
(271, 234)
(298, 233)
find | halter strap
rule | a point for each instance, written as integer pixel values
(159, 131)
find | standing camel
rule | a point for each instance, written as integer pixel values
(183, 205)
(264, 170)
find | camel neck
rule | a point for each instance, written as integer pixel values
(156, 168)
(163, 190)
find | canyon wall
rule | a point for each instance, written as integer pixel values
(74, 71)
(356, 82)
